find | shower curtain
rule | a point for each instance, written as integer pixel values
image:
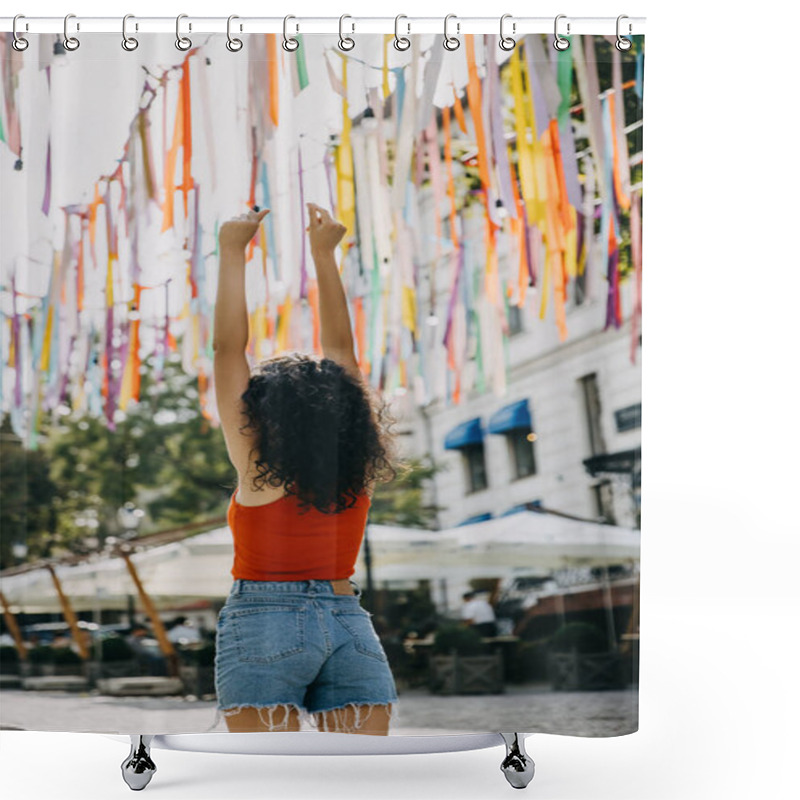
(492, 264)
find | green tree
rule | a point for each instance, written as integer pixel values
(26, 498)
(402, 501)
(164, 457)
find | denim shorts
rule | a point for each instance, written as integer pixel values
(296, 643)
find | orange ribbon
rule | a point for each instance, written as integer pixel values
(272, 71)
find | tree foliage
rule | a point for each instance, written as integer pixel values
(165, 457)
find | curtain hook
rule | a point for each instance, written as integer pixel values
(182, 42)
(234, 45)
(289, 43)
(559, 42)
(622, 43)
(19, 43)
(451, 42)
(346, 42)
(70, 42)
(401, 42)
(128, 42)
(506, 42)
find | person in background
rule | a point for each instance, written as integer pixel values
(182, 632)
(62, 640)
(478, 612)
(146, 651)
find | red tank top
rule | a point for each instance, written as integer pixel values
(277, 541)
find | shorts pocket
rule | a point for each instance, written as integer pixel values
(268, 633)
(358, 622)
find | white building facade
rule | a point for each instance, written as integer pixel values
(569, 409)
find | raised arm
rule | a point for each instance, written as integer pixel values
(230, 312)
(336, 334)
(231, 368)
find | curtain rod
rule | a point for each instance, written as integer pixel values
(512, 26)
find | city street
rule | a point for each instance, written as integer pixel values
(528, 709)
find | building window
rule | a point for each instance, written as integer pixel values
(604, 501)
(467, 437)
(591, 398)
(474, 460)
(515, 423)
(521, 451)
(629, 417)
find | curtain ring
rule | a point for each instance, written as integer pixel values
(346, 42)
(19, 43)
(70, 42)
(401, 42)
(234, 45)
(506, 42)
(290, 44)
(451, 42)
(128, 42)
(559, 42)
(182, 42)
(623, 44)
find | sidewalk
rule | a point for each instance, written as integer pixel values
(529, 709)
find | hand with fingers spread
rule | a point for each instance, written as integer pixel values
(238, 231)
(324, 232)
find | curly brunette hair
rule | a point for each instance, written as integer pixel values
(320, 432)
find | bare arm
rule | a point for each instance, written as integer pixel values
(336, 335)
(231, 368)
(230, 311)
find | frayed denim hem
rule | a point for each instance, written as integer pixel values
(362, 714)
(275, 717)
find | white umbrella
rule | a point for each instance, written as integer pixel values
(199, 567)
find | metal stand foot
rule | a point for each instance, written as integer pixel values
(138, 768)
(517, 766)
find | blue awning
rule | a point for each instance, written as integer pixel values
(515, 415)
(468, 432)
(521, 507)
(475, 518)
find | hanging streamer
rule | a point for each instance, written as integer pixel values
(344, 171)
(382, 165)
(636, 256)
(273, 67)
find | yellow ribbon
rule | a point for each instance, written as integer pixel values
(344, 170)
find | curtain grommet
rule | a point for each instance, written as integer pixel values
(451, 42)
(182, 42)
(346, 42)
(71, 43)
(290, 44)
(560, 43)
(507, 42)
(19, 43)
(233, 44)
(622, 44)
(129, 43)
(401, 43)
